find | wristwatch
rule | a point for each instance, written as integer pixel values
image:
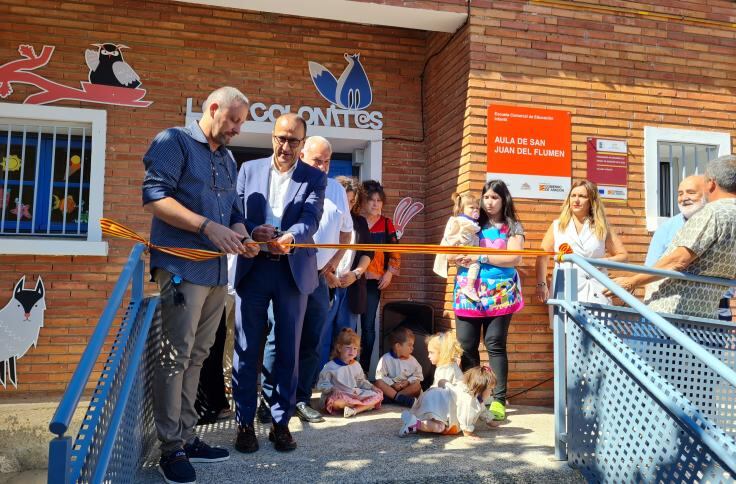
(357, 274)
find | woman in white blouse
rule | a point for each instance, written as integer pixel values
(583, 226)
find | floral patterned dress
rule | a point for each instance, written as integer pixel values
(499, 288)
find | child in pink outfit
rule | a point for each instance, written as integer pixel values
(342, 381)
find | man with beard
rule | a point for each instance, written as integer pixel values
(189, 189)
(690, 199)
(703, 246)
(282, 201)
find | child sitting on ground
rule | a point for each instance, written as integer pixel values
(399, 374)
(462, 230)
(453, 407)
(342, 381)
(444, 352)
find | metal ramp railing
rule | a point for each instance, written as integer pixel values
(640, 397)
(117, 430)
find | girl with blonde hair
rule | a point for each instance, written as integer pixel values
(582, 225)
(444, 352)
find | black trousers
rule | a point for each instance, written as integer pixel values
(495, 331)
(211, 398)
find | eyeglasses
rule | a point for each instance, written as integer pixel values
(293, 142)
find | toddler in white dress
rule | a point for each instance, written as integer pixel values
(453, 407)
(443, 352)
(398, 373)
(342, 381)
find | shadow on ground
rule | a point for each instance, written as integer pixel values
(367, 449)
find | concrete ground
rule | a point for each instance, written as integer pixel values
(25, 435)
(366, 448)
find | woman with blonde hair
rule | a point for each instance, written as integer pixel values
(583, 226)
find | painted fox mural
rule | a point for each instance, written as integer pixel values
(20, 322)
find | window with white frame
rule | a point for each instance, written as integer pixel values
(51, 180)
(670, 155)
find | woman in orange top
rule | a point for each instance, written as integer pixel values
(382, 268)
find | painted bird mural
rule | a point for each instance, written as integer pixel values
(107, 67)
(350, 91)
(20, 322)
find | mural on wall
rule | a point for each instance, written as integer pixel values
(350, 91)
(20, 322)
(111, 80)
(405, 210)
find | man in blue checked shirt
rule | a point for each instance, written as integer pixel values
(189, 188)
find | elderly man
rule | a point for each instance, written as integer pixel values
(335, 227)
(705, 245)
(189, 188)
(690, 199)
(282, 199)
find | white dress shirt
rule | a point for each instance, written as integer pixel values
(278, 185)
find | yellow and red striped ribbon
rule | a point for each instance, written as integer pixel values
(112, 228)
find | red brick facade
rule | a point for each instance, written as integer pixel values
(613, 68)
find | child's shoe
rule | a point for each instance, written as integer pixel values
(470, 293)
(410, 424)
(348, 412)
(498, 410)
(404, 400)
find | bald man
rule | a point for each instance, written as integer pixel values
(690, 199)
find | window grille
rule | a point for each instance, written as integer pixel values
(45, 180)
(676, 162)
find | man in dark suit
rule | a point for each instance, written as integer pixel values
(282, 202)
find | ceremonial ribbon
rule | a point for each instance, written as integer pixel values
(112, 228)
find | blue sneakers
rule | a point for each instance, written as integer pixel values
(199, 451)
(176, 469)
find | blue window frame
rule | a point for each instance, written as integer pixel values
(44, 181)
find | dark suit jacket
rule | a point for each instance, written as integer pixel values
(302, 213)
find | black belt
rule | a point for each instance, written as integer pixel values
(269, 256)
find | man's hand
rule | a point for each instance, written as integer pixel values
(263, 233)
(251, 249)
(329, 267)
(332, 280)
(277, 246)
(625, 282)
(225, 239)
(347, 279)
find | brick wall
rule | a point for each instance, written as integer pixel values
(616, 72)
(183, 51)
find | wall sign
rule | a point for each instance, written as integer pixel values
(608, 167)
(529, 149)
(20, 322)
(349, 95)
(111, 80)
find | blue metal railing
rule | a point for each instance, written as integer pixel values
(590, 382)
(87, 459)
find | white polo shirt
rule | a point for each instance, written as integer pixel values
(335, 219)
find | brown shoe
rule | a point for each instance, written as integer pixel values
(246, 441)
(281, 438)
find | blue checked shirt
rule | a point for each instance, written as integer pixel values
(180, 165)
